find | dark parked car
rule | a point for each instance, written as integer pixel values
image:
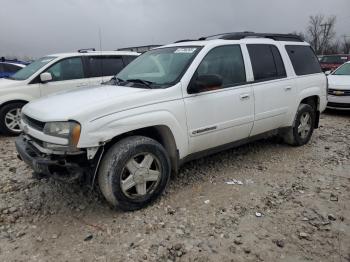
(332, 62)
(9, 67)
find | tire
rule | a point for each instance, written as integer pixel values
(300, 133)
(125, 168)
(11, 110)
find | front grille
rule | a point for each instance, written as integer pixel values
(35, 140)
(337, 92)
(36, 124)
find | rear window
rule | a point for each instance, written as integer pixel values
(266, 62)
(303, 59)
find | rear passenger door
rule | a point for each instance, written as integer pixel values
(225, 113)
(102, 68)
(273, 91)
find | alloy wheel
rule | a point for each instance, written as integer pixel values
(141, 175)
(305, 125)
(13, 120)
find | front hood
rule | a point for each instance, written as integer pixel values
(88, 103)
(339, 82)
(7, 83)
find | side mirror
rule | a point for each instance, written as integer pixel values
(328, 72)
(205, 83)
(45, 77)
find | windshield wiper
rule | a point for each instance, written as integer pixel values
(113, 81)
(141, 81)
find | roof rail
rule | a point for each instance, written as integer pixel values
(139, 49)
(185, 40)
(85, 50)
(249, 34)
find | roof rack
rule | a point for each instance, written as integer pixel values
(139, 49)
(85, 50)
(186, 40)
(276, 37)
(248, 34)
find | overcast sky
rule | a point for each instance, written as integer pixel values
(40, 27)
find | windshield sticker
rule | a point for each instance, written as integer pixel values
(186, 50)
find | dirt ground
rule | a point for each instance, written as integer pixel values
(265, 201)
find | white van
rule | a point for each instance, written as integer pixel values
(52, 74)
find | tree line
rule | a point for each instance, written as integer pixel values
(321, 34)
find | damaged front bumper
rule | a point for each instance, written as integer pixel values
(63, 167)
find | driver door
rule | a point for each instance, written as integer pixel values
(225, 114)
(67, 74)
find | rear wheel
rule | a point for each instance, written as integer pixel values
(10, 118)
(134, 172)
(303, 128)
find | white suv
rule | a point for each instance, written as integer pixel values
(52, 74)
(173, 104)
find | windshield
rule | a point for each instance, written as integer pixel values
(343, 70)
(158, 68)
(334, 59)
(30, 69)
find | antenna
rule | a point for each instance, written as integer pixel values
(100, 40)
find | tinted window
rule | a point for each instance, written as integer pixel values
(67, 69)
(105, 65)
(128, 59)
(226, 62)
(11, 68)
(281, 71)
(266, 62)
(303, 59)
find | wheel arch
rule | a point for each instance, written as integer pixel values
(13, 101)
(162, 134)
(313, 101)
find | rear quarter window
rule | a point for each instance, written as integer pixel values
(303, 59)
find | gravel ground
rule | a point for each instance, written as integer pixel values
(265, 201)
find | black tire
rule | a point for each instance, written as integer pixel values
(292, 136)
(114, 167)
(3, 112)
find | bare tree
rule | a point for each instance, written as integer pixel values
(345, 45)
(321, 32)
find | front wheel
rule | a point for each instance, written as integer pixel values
(10, 118)
(134, 172)
(300, 133)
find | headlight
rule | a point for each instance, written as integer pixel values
(68, 130)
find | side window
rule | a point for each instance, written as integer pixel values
(11, 68)
(67, 69)
(303, 59)
(128, 59)
(225, 62)
(105, 65)
(266, 62)
(281, 70)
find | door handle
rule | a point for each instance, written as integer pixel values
(288, 88)
(244, 96)
(82, 85)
